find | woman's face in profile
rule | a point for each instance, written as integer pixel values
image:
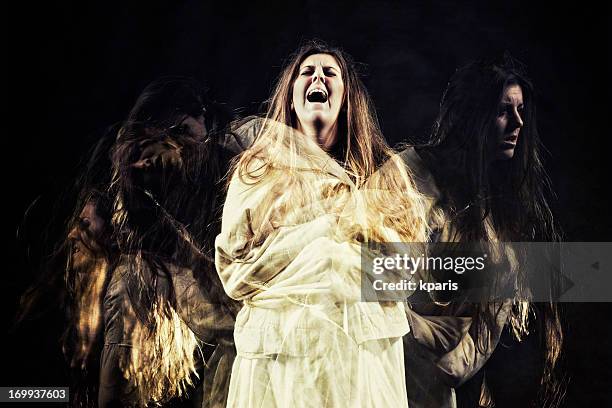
(318, 93)
(86, 236)
(508, 122)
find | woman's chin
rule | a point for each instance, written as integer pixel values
(505, 154)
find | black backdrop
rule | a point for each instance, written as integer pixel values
(75, 68)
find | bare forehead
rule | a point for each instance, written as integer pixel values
(324, 60)
(513, 93)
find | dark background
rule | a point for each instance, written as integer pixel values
(76, 68)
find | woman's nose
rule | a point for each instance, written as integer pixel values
(318, 74)
(73, 234)
(516, 117)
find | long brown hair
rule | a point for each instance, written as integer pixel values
(360, 150)
(165, 221)
(513, 194)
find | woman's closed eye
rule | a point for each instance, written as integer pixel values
(84, 223)
(329, 72)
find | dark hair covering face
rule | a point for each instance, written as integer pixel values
(166, 98)
(182, 197)
(175, 218)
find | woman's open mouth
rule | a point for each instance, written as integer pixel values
(317, 95)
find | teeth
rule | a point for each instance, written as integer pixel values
(317, 90)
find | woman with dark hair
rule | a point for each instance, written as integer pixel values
(75, 275)
(91, 260)
(300, 202)
(483, 170)
(167, 146)
(167, 168)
